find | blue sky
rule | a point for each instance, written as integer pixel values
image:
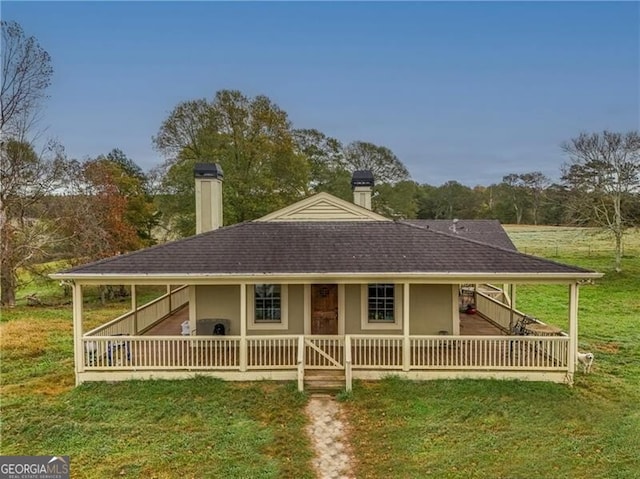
(459, 91)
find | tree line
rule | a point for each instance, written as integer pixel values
(54, 207)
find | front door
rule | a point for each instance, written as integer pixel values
(324, 309)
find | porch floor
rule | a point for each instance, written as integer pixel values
(171, 325)
(470, 325)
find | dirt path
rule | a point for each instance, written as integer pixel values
(329, 437)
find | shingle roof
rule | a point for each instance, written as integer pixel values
(322, 247)
(485, 231)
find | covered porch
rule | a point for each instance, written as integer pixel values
(482, 346)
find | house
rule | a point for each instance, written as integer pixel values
(326, 284)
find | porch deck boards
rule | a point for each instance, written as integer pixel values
(476, 325)
(170, 326)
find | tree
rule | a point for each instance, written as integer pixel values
(107, 210)
(385, 165)
(603, 173)
(26, 179)
(180, 134)
(133, 184)
(554, 209)
(535, 185)
(26, 74)
(252, 140)
(327, 168)
(524, 193)
(447, 201)
(127, 165)
(514, 188)
(426, 201)
(25, 176)
(485, 198)
(397, 201)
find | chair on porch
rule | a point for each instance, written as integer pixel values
(118, 352)
(91, 349)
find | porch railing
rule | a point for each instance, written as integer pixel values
(501, 314)
(269, 352)
(540, 353)
(496, 311)
(377, 352)
(352, 352)
(137, 321)
(161, 352)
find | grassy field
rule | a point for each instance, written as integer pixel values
(207, 428)
(565, 241)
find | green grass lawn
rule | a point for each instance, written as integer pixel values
(444, 429)
(192, 428)
(493, 429)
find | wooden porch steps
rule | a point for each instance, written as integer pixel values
(318, 381)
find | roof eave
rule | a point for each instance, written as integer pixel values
(344, 277)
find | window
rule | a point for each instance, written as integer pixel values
(267, 306)
(268, 300)
(381, 303)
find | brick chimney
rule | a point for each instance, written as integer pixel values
(362, 185)
(208, 178)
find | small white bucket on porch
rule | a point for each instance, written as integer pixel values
(186, 329)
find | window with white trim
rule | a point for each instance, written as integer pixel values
(381, 303)
(267, 303)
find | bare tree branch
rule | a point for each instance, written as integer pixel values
(603, 172)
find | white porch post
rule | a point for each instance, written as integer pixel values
(169, 297)
(243, 327)
(406, 359)
(341, 306)
(573, 331)
(193, 313)
(307, 309)
(455, 310)
(512, 306)
(78, 346)
(134, 308)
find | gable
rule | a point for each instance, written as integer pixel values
(323, 207)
